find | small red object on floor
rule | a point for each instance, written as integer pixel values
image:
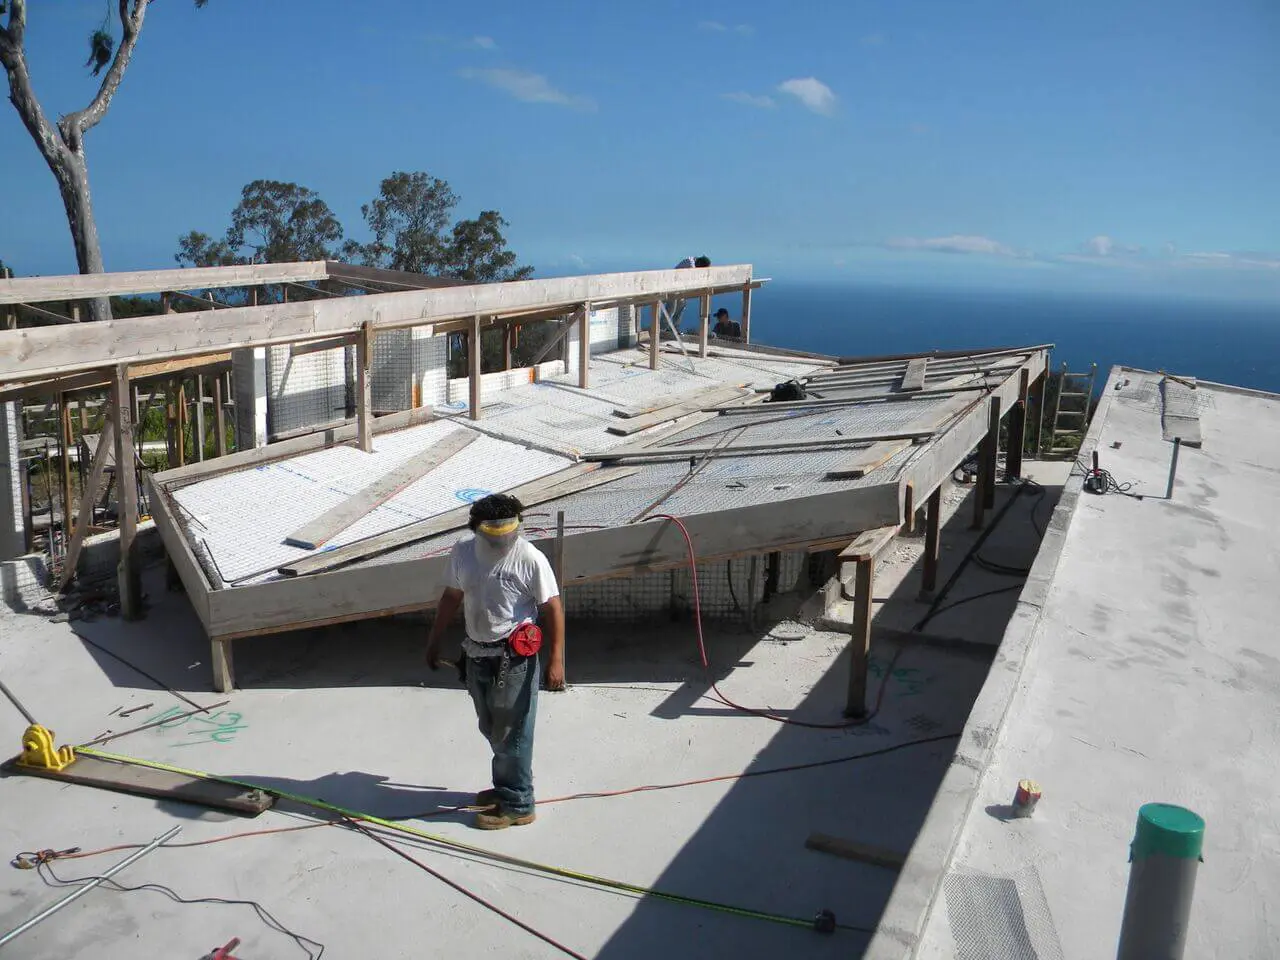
(224, 953)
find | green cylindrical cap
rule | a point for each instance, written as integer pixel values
(1168, 830)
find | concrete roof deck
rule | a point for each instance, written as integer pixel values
(1142, 665)
(342, 713)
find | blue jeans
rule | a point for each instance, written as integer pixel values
(506, 716)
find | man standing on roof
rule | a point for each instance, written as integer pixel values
(729, 329)
(504, 585)
(675, 308)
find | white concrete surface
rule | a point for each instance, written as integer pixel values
(1144, 666)
(344, 714)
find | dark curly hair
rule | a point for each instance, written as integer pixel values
(496, 506)
(702, 262)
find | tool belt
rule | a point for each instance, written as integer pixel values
(524, 641)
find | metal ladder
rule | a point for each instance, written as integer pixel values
(1070, 422)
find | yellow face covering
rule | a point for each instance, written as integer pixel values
(499, 528)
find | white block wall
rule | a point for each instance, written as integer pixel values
(11, 525)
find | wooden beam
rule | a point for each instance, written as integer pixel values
(364, 389)
(64, 472)
(976, 354)
(88, 496)
(854, 850)
(644, 452)
(908, 508)
(704, 323)
(405, 279)
(33, 353)
(474, 369)
(317, 346)
(128, 572)
(746, 313)
(220, 417)
(1018, 427)
(655, 335)
(46, 315)
(860, 642)
(913, 377)
(319, 440)
(508, 336)
(316, 533)
(992, 454)
(673, 411)
(584, 348)
(932, 531)
(934, 419)
(88, 286)
(543, 490)
(868, 544)
(199, 437)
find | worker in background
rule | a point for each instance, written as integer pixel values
(505, 587)
(675, 308)
(729, 329)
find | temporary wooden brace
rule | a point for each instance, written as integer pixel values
(993, 455)
(704, 323)
(88, 496)
(932, 531)
(219, 418)
(987, 453)
(854, 850)
(329, 524)
(88, 286)
(868, 544)
(473, 369)
(633, 451)
(64, 450)
(128, 572)
(364, 389)
(860, 643)
(572, 480)
(1017, 427)
(199, 434)
(584, 347)
(655, 335)
(909, 508)
(913, 378)
(663, 414)
(746, 313)
(508, 333)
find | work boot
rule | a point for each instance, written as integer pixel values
(500, 819)
(486, 799)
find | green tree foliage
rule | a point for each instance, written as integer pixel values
(478, 251)
(274, 222)
(409, 219)
(61, 143)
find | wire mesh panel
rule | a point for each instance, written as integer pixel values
(391, 371)
(305, 390)
(1005, 917)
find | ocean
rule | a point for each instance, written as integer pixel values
(1226, 342)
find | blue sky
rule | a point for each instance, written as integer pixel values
(1085, 145)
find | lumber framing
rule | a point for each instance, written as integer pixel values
(128, 574)
(644, 452)
(106, 444)
(89, 286)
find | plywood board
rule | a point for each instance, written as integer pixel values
(868, 544)
(710, 398)
(913, 379)
(329, 524)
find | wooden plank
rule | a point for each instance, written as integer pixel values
(319, 440)
(913, 378)
(220, 417)
(149, 782)
(860, 642)
(875, 456)
(704, 323)
(105, 447)
(64, 463)
(705, 399)
(128, 570)
(635, 452)
(584, 348)
(676, 399)
(87, 286)
(329, 524)
(319, 346)
(868, 544)
(746, 313)
(364, 389)
(655, 335)
(932, 540)
(854, 850)
(573, 480)
(197, 584)
(474, 360)
(32, 353)
(337, 269)
(857, 362)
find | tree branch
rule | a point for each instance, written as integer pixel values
(21, 94)
(17, 22)
(75, 125)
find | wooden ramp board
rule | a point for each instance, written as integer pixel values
(913, 379)
(149, 782)
(854, 850)
(329, 524)
(871, 458)
(868, 544)
(710, 398)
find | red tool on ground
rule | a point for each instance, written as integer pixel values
(223, 953)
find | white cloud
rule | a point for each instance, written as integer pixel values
(715, 26)
(751, 100)
(813, 93)
(1104, 246)
(528, 87)
(1247, 260)
(484, 43)
(956, 243)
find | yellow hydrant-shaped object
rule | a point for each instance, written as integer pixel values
(38, 750)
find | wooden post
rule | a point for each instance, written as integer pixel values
(746, 314)
(166, 302)
(558, 569)
(219, 417)
(508, 331)
(584, 347)
(1038, 390)
(171, 448)
(64, 447)
(860, 644)
(1017, 428)
(128, 575)
(986, 471)
(932, 529)
(224, 671)
(364, 389)
(10, 316)
(473, 368)
(138, 417)
(704, 323)
(181, 425)
(993, 454)
(199, 434)
(655, 334)
(909, 509)
(88, 494)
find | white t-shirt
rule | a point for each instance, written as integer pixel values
(687, 263)
(499, 595)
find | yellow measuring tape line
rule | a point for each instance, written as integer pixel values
(457, 844)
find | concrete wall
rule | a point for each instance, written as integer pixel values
(24, 580)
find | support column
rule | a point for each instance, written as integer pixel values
(704, 323)
(1037, 405)
(219, 417)
(181, 423)
(474, 368)
(249, 370)
(224, 672)
(860, 644)
(655, 334)
(909, 509)
(364, 389)
(13, 537)
(128, 574)
(64, 447)
(584, 347)
(993, 454)
(932, 530)
(10, 314)
(199, 438)
(1017, 428)
(508, 344)
(746, 314)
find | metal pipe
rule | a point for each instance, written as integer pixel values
(1173, 467)
(1165, 856)
(85, 888)
(17, 703)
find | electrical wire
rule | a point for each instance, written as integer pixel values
(47, 874)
